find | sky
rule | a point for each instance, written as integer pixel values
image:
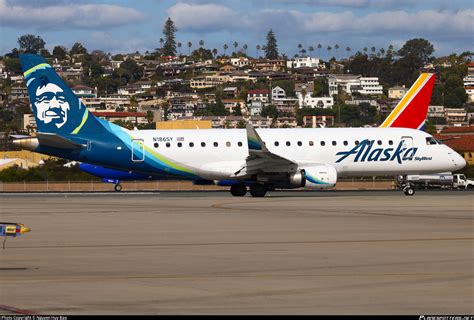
(125, 26)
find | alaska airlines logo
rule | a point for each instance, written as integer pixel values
(49, 102)
(364, 152)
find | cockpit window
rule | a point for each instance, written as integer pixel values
(431, 140)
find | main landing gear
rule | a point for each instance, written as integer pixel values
(257, 190)
(118, 187)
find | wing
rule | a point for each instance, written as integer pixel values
(260, 159)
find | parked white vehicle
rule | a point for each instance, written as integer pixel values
(460, 181)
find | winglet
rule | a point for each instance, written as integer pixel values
(254, 141)
(412, 109)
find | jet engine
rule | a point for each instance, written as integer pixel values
(321, 176)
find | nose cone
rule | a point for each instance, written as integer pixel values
(459, 161)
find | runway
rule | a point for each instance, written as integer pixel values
(333, 252)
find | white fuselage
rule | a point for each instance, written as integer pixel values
(219, 153)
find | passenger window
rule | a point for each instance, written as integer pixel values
(168, 144)
(227, 144)
(390, 142)
(180, 144)
(277, 143)
(346, 143)
(379, 142)
(239, 143)
(203, 144)
(356, 142)
(300, 143)
(288, 143)
(323, 143)
(156, 145)
(311, 143)
(334, 143)
(216, 144)
(191, 144)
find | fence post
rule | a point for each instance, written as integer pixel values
(24, 185)
(47, 185)
(69, 185)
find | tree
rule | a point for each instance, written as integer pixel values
(300, 47)
(269, 111)
(179, 47)
(258, 50)
(236, 44)
(271, 49)
(336, 46)
(59, 52)
(78, 48)
(310, 49)
(319, 49)
(329, 48)
(419, 50)
(169, 47)
(225, 47)
(214, 52)
(245, 47)
(201, 43)
(30, 43)
(190, 44)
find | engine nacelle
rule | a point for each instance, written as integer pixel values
(320, 176)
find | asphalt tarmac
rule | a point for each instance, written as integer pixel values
(333, 252)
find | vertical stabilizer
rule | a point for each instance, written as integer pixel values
(412, 109)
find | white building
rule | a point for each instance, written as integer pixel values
(278, 93)
(314, 102)
(435, 111)
(304, 62)
(351, 84)
(240, 62)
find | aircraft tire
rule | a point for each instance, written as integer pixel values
(118, 187)
(238, 190)
(258, 190)
(409, 191)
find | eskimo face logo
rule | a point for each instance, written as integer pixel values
(51, 105)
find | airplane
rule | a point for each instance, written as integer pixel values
(254, 159)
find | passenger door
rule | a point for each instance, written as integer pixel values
(138, 150)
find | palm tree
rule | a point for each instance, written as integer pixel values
(190, 44)
(179, 47)
(336, 46)
(382, 51)
(214, 52)
(319, 49)
(329, 48)
(225, 48)
(300, 46)
(236, 44)
(310, 49)
(258, 50)
(365, 50)
(201, 43)
(245, 47)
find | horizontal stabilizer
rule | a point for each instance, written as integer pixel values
(55, 141)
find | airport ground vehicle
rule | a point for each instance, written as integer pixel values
(438, 180)
(460, 181)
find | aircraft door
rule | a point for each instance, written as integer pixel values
(138, 150)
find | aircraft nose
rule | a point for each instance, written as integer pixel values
(459, 161)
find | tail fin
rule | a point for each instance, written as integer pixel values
(412, 109)
(55, 106)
